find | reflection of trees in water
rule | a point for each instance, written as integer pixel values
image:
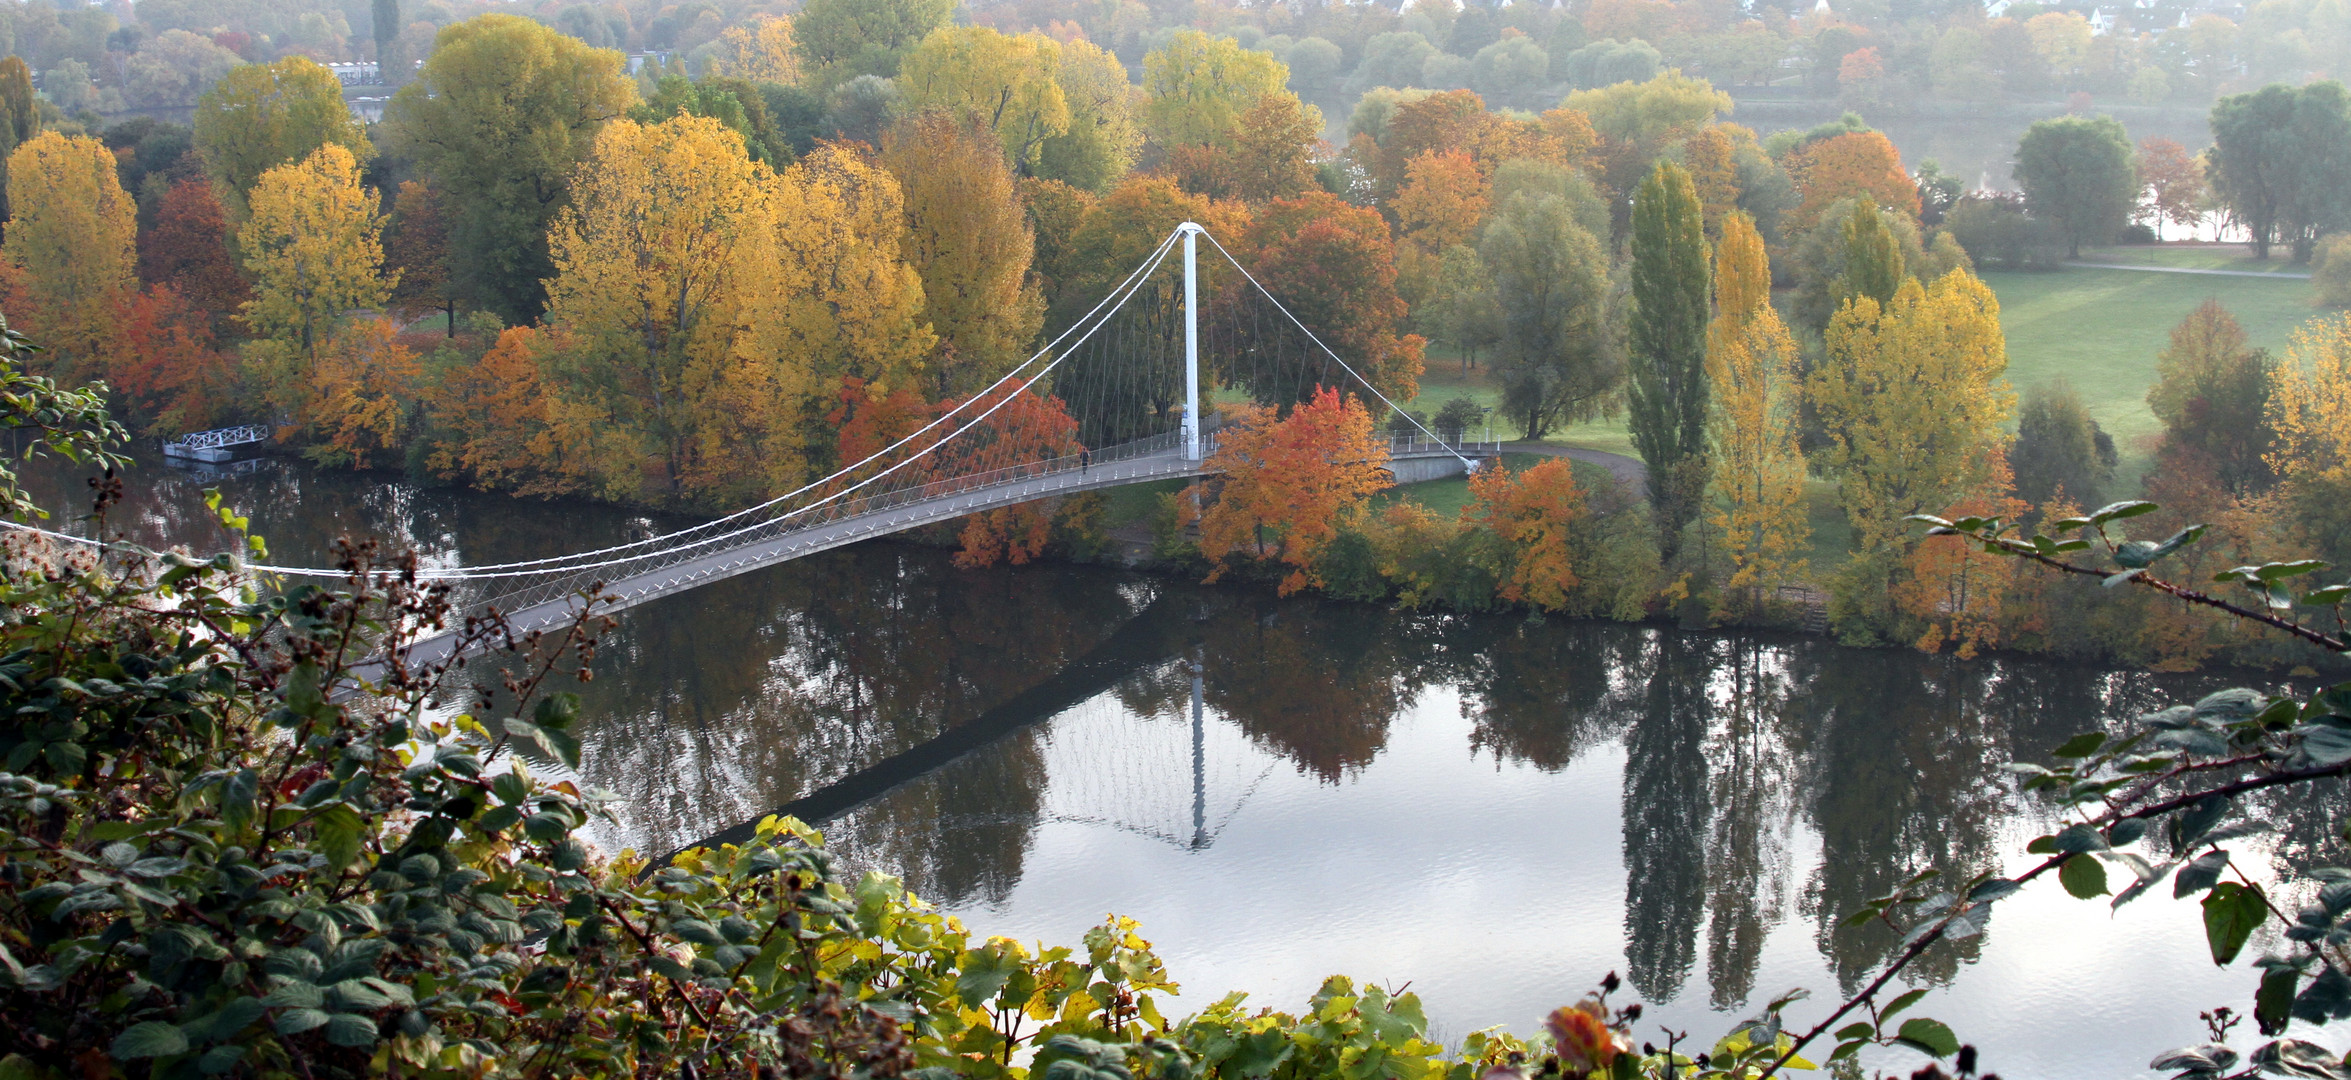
(960, 835)
(1754, 759)
(1665, 815)
(1905, 771)
(716, 705)
(1315, 682)
(1543, 694)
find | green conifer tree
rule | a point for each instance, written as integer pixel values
(1668, 339)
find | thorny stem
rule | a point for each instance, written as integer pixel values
(2019, 548)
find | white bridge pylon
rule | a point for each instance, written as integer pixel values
(952, 466)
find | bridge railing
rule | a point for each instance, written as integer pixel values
(218, 438)
(1079, 469)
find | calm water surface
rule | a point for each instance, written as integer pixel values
(1495, 811)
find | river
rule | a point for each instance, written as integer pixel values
(1494, 810)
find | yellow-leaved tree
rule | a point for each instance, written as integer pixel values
(1912, 398)
(763, 51)
(313, 246)
(2310, 414)
(970, 239)
(850, 304)
(999, 83)
(1753, 422)
(663, 261)
(69, 246)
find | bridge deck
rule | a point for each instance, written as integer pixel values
(628, 589)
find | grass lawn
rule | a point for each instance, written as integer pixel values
(2101, 329)
(2199, 257)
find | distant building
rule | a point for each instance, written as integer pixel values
(362, 73)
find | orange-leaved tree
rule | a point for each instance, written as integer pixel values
(1533, 510)
(1334, 265)
(164, 365)
(362, 393)
(1020, 427)
(1855, 163)
(497, 412)
(1288, 481)
(1955, 588)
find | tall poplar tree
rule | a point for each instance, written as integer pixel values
(20, 117)
(1667, 362)
(389, 61)
(1756, 393)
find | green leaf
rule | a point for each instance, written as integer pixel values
(2231, 911)
(2117, 511)
(2200, 874)
(345, 1029)
(2082, 745)
(2273, 1004)
(984, 971)
(2112, 580)
(2083, 876)
(2326, 744)
(296, 1021)
(153, 1038)
(1931, 1036)
(1906, 1000)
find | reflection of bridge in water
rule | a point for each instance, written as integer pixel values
(1165, 772)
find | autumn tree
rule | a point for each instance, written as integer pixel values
(2212, 391)
(1666, 360)
(2077, 175)
(1437, 123)
(416, 247)
(361, 396)
(2310, 412)
(1911, 398)
(1711, 155)
(997, 83)
(313, 247)
(1857, 163)
(1556, 357)
(1533, 510)
(1637, 123)
(69, 249)
(163, 364)
(968, 236)
(1011, 424)
(669, 285)
(1755, 391)
(1104, 135)
(850, 303)
(497, 120)
(262, 116)
(1333, 264)
(1271, 155)
(188, 250)
(20, 114)
(2174, 181)
(495, 414)
(1196, 88)
(1288, 481)
(1444, 199)
(841, 40)
(762, 51)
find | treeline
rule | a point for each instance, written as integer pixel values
(1872, 54)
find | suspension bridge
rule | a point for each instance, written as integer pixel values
(1127, 391)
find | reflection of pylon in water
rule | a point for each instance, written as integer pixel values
(1108, 765)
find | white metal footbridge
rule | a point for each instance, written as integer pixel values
(1112, 400)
